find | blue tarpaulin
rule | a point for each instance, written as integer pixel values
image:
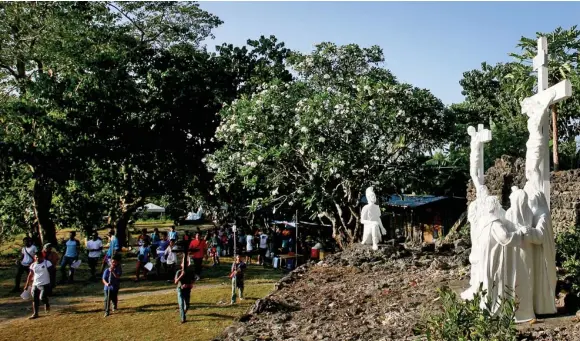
(407, 201)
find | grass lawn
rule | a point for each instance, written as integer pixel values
(143, 317)
(148, 309)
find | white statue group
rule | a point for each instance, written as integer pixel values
(513, 252)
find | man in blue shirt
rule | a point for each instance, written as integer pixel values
(71, 255)
(112, 280)
(142, 259)
(113, 249)
(173, 234)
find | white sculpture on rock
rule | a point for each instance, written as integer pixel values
(476, 170)
(514, 253)
(498, 247)
(543, 252)
(370, 217)
(519, 217)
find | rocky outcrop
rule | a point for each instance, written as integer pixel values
(564, 196)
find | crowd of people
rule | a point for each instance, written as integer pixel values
(178, 259)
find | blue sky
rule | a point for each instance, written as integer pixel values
(427, 44)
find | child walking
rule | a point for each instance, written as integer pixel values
(111, 280)
(184, 280)
(237, 276)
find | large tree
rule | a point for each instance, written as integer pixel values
(79, 84)
(316, 143)
(563, 49)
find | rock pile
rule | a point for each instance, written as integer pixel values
(361, 294)
(564, 196)
(358, 294)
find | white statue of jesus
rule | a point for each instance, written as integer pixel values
(370, 217)
(535, 149)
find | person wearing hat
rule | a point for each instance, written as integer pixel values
(50, 255)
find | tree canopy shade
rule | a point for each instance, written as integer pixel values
(317, 142)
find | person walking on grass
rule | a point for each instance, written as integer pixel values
(39, 275)
(71, 255)
(263, 247)
(50, 255)
(249, 247)
(198, 250)
(112, 279)
(94, 247)
(160, 260)
(184, 279)
(237, 276)
(112, 251)
(155, 239)
(173, 234)
(143, 257)
(23, 266)
(171, 260)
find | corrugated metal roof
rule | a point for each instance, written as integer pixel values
(407, 201)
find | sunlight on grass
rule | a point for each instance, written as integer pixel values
(146, 317)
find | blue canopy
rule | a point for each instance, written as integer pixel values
(407, 201)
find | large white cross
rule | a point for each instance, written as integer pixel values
(483, 136)
(562, 91)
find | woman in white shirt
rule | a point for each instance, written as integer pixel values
(40, 283)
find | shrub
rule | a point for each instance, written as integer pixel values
(465, 320)
(568, 257)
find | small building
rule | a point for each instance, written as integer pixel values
(420, 218)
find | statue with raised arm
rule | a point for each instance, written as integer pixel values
(370, 217)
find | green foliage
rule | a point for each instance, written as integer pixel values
(319, 141)
(568, 257)
(467, 321)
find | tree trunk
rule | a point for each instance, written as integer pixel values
(42, 201)
(555, 137)
(121, 228)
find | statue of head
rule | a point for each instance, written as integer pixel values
(370, 194)
(492, 205)
(471, 131)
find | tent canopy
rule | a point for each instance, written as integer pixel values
(153, 208)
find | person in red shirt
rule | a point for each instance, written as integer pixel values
(197, 251)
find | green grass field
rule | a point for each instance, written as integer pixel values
(147, 310)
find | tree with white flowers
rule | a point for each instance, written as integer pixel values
(317, 142)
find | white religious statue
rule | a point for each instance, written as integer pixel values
(370, 217)
(520, 217)
(476, 207)
(478, 138)
(536, 110)
(499, 243)
(541, 238)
